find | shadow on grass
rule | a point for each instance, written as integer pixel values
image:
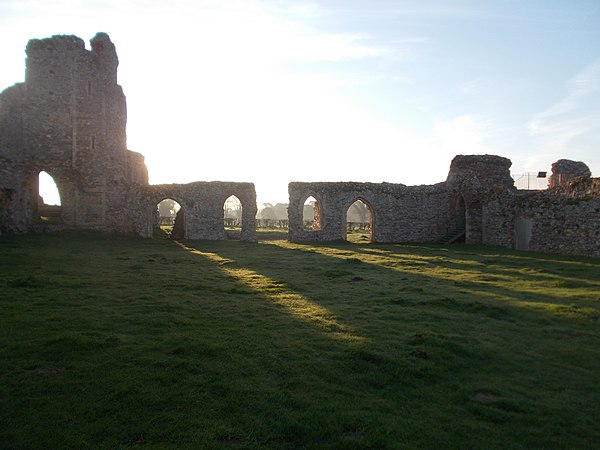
(467, 316)
(117, 341)
(431, 275)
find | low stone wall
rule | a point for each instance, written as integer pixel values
(399, 213)
(202, 203)
(558, 223)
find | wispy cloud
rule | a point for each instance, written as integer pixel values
(577, 113)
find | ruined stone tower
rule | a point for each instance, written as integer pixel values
(68, 118)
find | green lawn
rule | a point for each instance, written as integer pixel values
(115, 342)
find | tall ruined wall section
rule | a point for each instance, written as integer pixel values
(484, 189)
(68, 118)
(564, 219)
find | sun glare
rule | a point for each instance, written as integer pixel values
(48, 189)
(232, 90)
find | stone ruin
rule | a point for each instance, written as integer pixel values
(477, 203)
(68, 119)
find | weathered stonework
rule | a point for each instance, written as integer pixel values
(477, 200)
(564, 219)
(399, 213)
(202, 206)
(564, 171)
(68, 119)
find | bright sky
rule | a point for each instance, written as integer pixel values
(274, 91)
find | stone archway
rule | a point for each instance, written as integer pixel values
(359, 221)
(311, 213)
(48, 203)
(170, 218)
(233, 214)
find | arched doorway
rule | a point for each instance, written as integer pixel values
(48, 202)
(170, 219)
(461, 220)
(311, 214)
(457, 225)
(458, 234)
(232, 217)
(359, 222)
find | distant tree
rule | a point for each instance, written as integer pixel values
(268, 212)
(358, 212)
(281, 211)
(168, 208)
(232, 209)
(308, 211)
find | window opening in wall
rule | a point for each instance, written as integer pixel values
(49, 206)
(89, 88)
(93, 142)
(232, 217)
(359, 222)
(170, 219)
(311, 214)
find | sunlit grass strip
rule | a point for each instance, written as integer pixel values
(512, 281)
(501, 272)
(571, 311)
(279, 294)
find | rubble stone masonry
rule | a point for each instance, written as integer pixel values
(69, 119)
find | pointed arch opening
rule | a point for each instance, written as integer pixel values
(232, 217)
(359, 222)
(170, 219)
(49, 205)
(311, 214)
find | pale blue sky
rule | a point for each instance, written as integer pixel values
(363, 90)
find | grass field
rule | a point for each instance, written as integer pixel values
(117, 342)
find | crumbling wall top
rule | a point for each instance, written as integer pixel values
(566, 170)
(56, 43)
(481, 170)
(56, 56)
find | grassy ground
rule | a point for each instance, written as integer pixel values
(116, 342)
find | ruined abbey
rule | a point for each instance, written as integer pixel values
(69, 117)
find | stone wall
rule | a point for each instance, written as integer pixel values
(564, 220)
(68, 119)
(410, 213)
(398, 213)
(202, 206)
(477, 200)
